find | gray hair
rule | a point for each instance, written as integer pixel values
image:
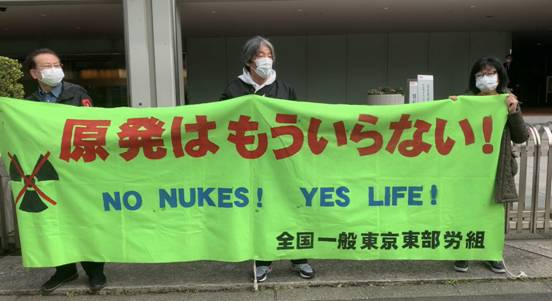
(251, 48)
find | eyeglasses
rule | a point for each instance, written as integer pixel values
(481, 74)
(47, 66)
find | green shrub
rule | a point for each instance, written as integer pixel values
(10, 75)
(385, 90)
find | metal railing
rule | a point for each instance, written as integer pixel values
(530, 215)
(9, 236)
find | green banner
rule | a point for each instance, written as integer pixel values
(255, 178)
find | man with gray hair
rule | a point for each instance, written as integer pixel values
(259, 78)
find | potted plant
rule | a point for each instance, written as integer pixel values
(10, 75)
(385, 96)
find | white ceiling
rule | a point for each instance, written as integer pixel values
(355, 16)
(281, 17)
(61, 20)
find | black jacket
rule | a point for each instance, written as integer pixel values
(278, 89)
(71, 94)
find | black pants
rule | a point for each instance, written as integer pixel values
(267, 263)
(92, 269)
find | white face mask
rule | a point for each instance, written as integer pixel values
(487, 83)
(264, 67)
(51, 76)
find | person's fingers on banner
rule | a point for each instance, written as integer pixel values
(511, 102)
(85, 102)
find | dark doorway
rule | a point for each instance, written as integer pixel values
(532, 69)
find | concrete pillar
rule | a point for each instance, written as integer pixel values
(154, 53)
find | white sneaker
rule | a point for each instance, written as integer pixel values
(305, 270)
(262, 272)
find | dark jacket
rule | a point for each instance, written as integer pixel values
(515, 131)
(278, 89)
(71, 94)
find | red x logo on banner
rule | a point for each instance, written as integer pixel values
(29, 191)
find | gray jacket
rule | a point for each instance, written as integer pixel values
(515, 131)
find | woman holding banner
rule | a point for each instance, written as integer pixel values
(259, 78)
(488, 77)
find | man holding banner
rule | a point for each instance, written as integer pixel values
(45, 67)
(259, 78)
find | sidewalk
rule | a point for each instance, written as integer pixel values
(532, 256)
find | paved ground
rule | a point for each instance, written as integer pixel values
(475, 291)
(335, 280)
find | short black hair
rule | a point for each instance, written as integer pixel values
(480, 64)
(30, 63)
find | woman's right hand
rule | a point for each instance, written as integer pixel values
(453, 97)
